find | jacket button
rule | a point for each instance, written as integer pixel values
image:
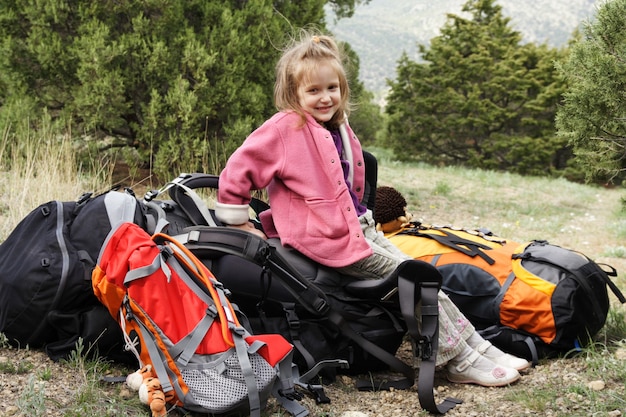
(348, 208)
(359, 163)
(332, 161)
(358, 189)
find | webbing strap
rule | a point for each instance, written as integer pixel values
(503, 290)
(186, 347)
(146, 271)
(192, 284)
(465, 246)
(65, 265)
(380, 353)
(293, 322)
(413, 274)
(199, 203)
(225, 240)
(157, 359)
(157, 223)
(284, 391)
(65, 256)
(241, 347)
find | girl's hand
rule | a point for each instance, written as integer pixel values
(249, 227)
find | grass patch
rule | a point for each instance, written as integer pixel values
(32, 400)
(89, 398)
(614, 331)
(10, 367)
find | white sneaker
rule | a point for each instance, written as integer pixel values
(466, 372)
(489, 351)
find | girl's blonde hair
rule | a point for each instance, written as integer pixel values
(301, 59)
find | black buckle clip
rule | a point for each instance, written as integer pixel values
(317, 391)
(290, 394)
(424, 347)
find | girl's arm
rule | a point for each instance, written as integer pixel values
(251, 167)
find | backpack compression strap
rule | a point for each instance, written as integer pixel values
(465, 246)
(410, 275)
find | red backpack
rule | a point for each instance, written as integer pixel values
(176, 317)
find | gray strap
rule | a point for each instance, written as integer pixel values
(200, 204)
(284, 389)
(241, 348)
(503, 290)
(184, 276)
(148, 270)
(157, 223)
(157, 359)
(65, 265)
(186, 347)
(255, 346)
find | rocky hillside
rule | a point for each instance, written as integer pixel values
(381, 30)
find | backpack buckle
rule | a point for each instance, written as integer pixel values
(290, 394)
(424, 347)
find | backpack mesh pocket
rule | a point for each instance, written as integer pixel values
(217, 386)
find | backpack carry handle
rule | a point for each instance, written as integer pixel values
(612, 273)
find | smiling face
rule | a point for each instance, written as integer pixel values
(319, 94)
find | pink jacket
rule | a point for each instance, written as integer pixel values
(311, 208)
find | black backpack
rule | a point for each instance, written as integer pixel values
(336, 323)
(46, 298)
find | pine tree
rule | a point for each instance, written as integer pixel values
(593, 115)
(479, 98)
(181, 83)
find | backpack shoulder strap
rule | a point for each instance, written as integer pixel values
(416, 281)
(221, 240)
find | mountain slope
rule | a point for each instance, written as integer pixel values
(383, 29)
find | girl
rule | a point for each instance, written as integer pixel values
(311, 164)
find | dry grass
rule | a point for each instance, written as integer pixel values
(37, 168)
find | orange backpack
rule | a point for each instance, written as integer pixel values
(176, 317)
(532, 299)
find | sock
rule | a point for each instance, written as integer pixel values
(482, 363)
(475, 340)
(467, 350)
